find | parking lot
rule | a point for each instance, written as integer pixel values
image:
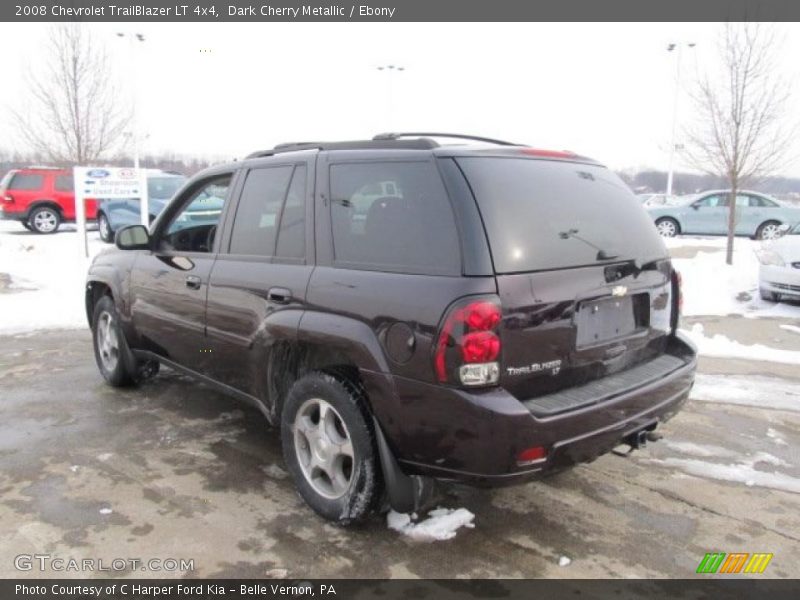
(175, 470)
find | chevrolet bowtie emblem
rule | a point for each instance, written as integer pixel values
(619, 290)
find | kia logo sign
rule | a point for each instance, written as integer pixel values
(127, 173)
(98, 173)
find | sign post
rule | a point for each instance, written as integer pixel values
(111, 183)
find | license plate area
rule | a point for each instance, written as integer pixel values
(601, 321)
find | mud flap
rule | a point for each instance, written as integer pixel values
(406, 493)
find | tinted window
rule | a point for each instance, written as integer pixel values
(292, 232)
(64, 183)
(24, 181)
(163, 188)
(256, 223)
(193, 229)
(393, 216)
(542, 214)
(758, 201)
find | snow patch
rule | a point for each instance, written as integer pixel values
(762, 392)
(441, 524)
(106, 511)
(564, 561)
(274, 471)
(104, 456)
(723, 347)
(792, 328)
(775, 437)
(697, 449)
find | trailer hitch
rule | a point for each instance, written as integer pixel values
(636, 440)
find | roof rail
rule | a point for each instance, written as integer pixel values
(374, 144)
(290, 147)
(395, 136)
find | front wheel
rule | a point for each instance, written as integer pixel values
(768, 231)
(110, 347)
(329, 447)
(44, 219)
(104, 228)
(769, 296)
(667, 227)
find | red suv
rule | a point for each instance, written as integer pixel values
(41, 198)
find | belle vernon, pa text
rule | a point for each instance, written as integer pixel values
(208, 590)
(187, 10)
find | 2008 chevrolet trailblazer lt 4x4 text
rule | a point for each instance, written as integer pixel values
(406, 311)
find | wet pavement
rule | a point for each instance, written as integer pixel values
(175, 470)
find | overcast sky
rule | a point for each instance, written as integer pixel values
(604, 90)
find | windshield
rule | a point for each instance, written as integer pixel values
(542, 214)
(163, 188)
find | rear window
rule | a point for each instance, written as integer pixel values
(26, 181)
(543, 214)
(393, 216)
(64, 183)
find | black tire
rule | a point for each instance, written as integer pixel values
(769, 296)
(104, 228)
(26, 225)
(364, 487)
(123, 371)
(44, 220)
(667, 227)
(767, 226)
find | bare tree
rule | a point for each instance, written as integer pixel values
(73, 113)
(740, 132)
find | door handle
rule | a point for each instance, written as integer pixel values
(193, 282)
(279, 295)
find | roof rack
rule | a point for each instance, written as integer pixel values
(475, 138)
(373, 144)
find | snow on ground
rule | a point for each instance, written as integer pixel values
(750, 390)
(792, 328)
(723, 347)
(42, 279)
(711, 287)
(441, 524)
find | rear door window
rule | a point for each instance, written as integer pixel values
(543, 214)
(255, 227)
(393, 216)
(64, 183)
(26, 182)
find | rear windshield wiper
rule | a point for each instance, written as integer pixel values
(601, 253)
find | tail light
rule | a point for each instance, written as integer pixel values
(677, 305)
(468, 346)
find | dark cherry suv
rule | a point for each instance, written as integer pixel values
(406, 311)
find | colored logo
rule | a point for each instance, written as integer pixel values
(736, 562)
(98, 173)
(127, 173)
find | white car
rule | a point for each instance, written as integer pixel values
(779, 272)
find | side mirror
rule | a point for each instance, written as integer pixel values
(133, 237)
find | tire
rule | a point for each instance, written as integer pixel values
(334, 467)
(104, 228)
(44, 220)
(769, 296)
(26, 225)
(667, 227)
(111, 352)
(768, 230)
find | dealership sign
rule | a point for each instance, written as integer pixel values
(108, 183)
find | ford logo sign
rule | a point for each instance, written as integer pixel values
(98, 173)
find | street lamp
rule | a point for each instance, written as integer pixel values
(133, 38)
(390, 70)
(676, 47)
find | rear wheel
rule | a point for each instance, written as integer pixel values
(667, 227)
(329, 447)
(104, 228)
(44, 219)
(768, 231)
(769, 296)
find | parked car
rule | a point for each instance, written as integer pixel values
(503, 313)
(113, 214)
(779, 271)
(40, 198)
(757, 215)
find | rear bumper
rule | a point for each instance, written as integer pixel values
(11, 215)
(475, 436)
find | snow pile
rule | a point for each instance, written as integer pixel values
(792, 328)
(712, 287)
(441, 524)
(47, 274)
(564, 561)
(750, 390)
(723, 347)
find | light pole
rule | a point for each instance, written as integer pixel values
(677, 48)
(133, 38)
(390, 70)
